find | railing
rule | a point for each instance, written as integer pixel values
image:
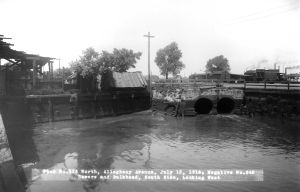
(186, 84)
(246, 85)
(272, 85)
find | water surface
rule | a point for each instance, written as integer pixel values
(154, 141)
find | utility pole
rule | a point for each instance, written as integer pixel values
(149, 73)
(59, 66)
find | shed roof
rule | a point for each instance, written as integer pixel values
(123, 80)
(129, 79)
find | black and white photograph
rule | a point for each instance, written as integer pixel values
(149, 96)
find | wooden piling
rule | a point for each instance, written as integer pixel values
(50, 111)
(34, 77)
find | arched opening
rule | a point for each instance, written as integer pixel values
(203, 106)
(225, 105)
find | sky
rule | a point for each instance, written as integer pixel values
(249, 33)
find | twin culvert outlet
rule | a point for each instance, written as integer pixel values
(205, 105)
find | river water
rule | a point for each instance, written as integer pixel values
(155, 141)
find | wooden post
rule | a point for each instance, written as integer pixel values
(113, 106)
(49, 75)
(6, 79)
(49, 67)
(80, 79)
(62, 78)
(34, 76)
(50, 111)
(51, 63)
(288, 85)
(95, 106)
(265, 85)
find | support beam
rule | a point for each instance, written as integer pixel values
(13, 62)
(51, 70)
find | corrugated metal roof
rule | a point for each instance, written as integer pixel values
(129, 79)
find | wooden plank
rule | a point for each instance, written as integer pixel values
(33, 58)
(2, 43)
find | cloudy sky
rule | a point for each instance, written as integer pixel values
(250, 33)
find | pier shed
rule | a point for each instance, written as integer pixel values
(23, 72)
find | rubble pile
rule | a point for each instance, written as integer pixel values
(170, 95)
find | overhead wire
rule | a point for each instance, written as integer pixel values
(253, 19)
(270, 9)
(265, 13)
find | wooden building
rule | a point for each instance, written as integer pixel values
(261, 75)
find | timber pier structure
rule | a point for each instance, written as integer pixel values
(30, 94)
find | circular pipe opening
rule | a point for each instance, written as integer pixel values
(225, 105)
(203, 106)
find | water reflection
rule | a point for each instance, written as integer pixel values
(142, 140)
